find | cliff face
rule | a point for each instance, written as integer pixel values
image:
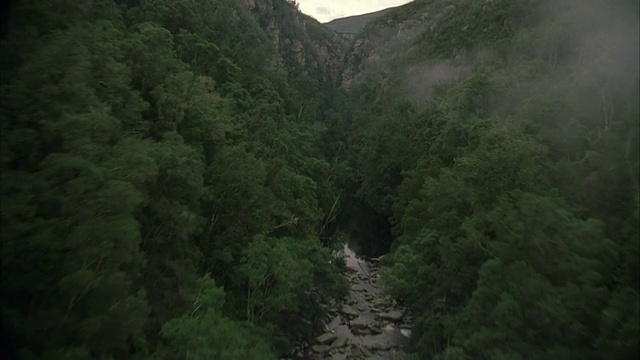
(427, 43)
(387, 45)
(300, 41)
(349, 27)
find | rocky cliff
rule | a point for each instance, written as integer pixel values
(301, 41)
(387, 47)
(349, 27)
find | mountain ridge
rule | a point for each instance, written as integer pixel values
(350, 26)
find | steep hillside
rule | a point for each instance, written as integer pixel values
(351, 26)
(177, 178)
(164, 184)
(499, 141)
(300, 41)
(424, 34)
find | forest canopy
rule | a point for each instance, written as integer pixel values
(163, 183)
(176, 175)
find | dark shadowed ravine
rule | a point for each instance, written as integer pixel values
(367, 324)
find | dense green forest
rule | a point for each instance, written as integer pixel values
(175, 176)
(511, 190)
(164, 182)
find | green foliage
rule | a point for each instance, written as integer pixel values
(155, 153)
(144, 146)
(512, 192)
(207, 334)
(473, 23)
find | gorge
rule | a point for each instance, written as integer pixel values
(232, 180)
(366, 324)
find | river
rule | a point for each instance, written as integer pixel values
(367, 324)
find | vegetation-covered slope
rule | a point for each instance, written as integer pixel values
(170, 172)
(500, 140)
(351, 26)
(163, 181)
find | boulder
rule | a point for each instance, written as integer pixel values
(379, 345)
(360, 289)
(361, 331)
(394, 315)
(365, 352)
(339, 342)
(360, 322)
(381, 303)
(320, 348)
(326, 338)
(348, 310)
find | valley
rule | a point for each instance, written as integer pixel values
(233, 180)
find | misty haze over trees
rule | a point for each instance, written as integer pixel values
(177, 176)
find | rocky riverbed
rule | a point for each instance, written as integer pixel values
(367, 324)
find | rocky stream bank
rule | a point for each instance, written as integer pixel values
(367, 324)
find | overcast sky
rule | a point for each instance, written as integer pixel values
(327, 10)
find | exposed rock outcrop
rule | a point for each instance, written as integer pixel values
(300, 40)
(368, 324)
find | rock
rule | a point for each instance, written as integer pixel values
(361, 307)
(320, 348)
(381, 303)
(326, 338)
(361, 331)
(348, 310)
(393, 315)
(365, 311)
(360, 289)
(378, 345)
(366, 353)
(339, 342)
(360, 322)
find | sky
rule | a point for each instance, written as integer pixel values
(327, 10)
